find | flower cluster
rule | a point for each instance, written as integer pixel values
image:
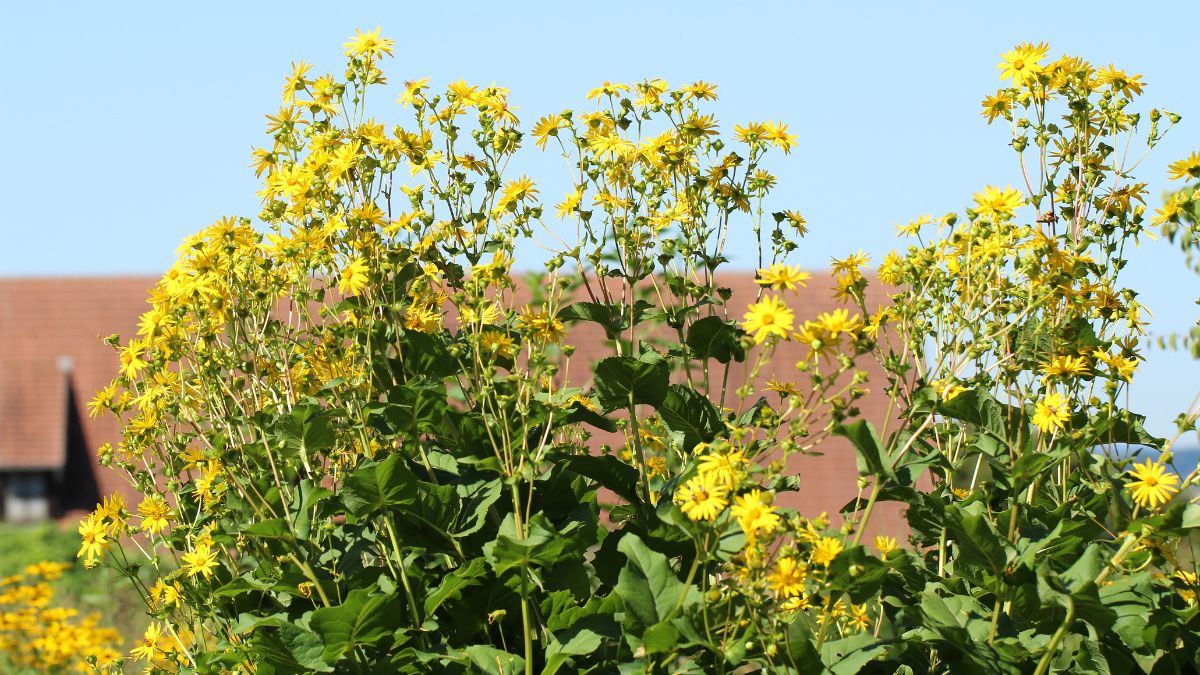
(37, 635)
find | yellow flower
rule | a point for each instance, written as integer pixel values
(859, 617)
(702, 498)
(368, 44)
(147, 648)
(996, 203)
(724, 468)
(493, 342)
(516, 190)
(1120, 83)
(947, 389)
(93, 531)
(1066, 366)
(163, 594)
(200, 560)
(998, 105)
(1051, 413)
(776, 132)
(783, 277)
(825, 551)
(1153, 486)
(701, 90)
(767, 318)
(545, 128)
(754, 515)
(541, 325)
(885, 544)
(354, 277)
(1185, 168)
(787, 577)
(607, 89)
(1191, 582)
(154, 511)
(1021, 63)
(837, 322)
(851, 265)
(295, 82)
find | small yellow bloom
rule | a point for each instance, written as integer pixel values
(1051, 413)
(783, 277)
(786, 579)
(885, 544)
(1154, 485)
(825, 551)
(768, 318)
(369, 44)
(354, 277)
(754, 514)
(154, 511)
(200, 560)
(94, 532)
(702, 498)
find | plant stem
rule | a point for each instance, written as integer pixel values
(1044, 664)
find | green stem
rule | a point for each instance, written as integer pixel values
(862, 527)
(1044, 664)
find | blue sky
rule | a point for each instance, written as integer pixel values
(129, 127)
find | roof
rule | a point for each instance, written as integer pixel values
(47, 322)
(50, 351)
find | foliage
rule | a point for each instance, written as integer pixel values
(362, 450)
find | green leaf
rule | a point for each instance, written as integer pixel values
(618, 378)
(871, 458)
(714, 338)
(273, 528)
(607, 316)
(454, 583)
(361, 621)
(302, 648)
(430, 513)
(660, 638)
(848, 655)
(307, 430)
(542, 546)
(1028, 467)
(647, 585)
(979, 543)
(581, 413)
(488, 659)
(609, 472)
(686, 411)
(584, 637)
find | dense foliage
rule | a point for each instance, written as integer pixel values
(362, 448)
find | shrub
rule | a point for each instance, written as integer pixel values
(361, 450)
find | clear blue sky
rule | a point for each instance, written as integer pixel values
(129, 128)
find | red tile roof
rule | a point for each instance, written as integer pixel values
(43, 320)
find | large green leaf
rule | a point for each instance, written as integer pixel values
(609, 472)
(686, 411)
(542, 546)
(307, 430)
(584, 637)
(454, 583)
(361, 621)
(621, 380)
(715, 338)
(647, 585)
(871, 458)
(390, 486)
(488, 659)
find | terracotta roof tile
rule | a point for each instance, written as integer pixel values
(44, 319)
